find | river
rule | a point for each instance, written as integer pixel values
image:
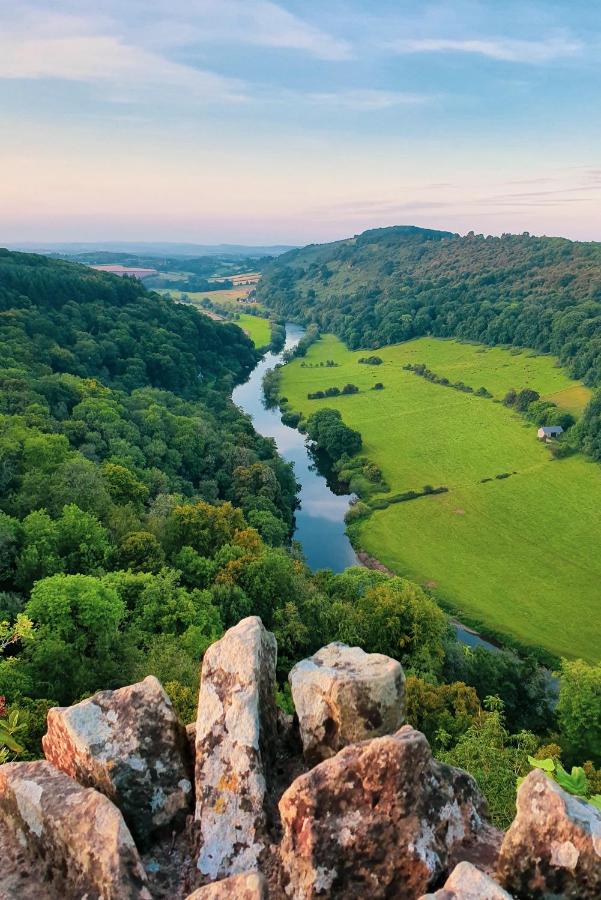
(320, 519)
(320, 525)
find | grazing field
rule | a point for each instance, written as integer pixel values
(257, 328)
(518, 554)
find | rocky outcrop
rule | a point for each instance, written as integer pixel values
(381, 818)
(130, 745)
(248, 886)
(466, 882)
(77, 834)
(553, 847)
(235, 729)
(343, 695)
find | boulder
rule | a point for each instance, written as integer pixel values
(343, 695)
(76, 834)
(380, 819)
(235, 732)
(553, 847)
(466, 882)
(129, 745)
(248, 886)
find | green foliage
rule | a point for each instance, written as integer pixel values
(579, 710)
(496, 758)
(443, 712)
(326, 428)
(574, 782)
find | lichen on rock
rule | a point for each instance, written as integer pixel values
(343, 695)
(382, 818)
(553, 846)
(235, 730)
(130, 745)
(77, 835)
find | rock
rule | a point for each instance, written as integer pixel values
(343, 695)
(235, 732)
(380, 819)
(129, 745)
(248, 886)
(191, 739)
(466, 882)
(553, 847)
(76, 833)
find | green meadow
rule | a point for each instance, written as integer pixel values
(256, 327)
(519, 555)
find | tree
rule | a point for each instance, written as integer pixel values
(123, 486)
(443, 712)
(77, 645)
(141, 552)
(83, 543)
(326, 429)
(579, 710)
(495, 758)
(201, 526)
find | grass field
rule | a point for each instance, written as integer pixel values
(519, 555)
(257, 328)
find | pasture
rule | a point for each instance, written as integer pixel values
(256, 327)
(519, 554)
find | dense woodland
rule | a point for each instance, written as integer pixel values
(393, 284)
(141, 515)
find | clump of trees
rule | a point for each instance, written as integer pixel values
(370, 360)
(333, 392)
(327, 430)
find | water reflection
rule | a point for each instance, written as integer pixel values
(320, 519)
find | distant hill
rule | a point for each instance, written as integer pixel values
(150, 248)
(391, 284)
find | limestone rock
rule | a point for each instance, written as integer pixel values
(76, 833)
(129, 745)
(248, 886)
(380, 819)
(235, 731)
(343, 695)
(553, 847)
(466, 882)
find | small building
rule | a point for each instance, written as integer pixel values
(548, 432)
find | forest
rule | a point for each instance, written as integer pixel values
(393, 284)
(141, 515)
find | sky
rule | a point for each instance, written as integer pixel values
(274, 121)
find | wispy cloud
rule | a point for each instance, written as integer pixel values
(68, 48)
(503, 49)
(264, 24)
(365, 100)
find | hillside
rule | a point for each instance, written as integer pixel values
(392, 284)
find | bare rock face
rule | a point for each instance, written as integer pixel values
(553, 847)
(380, 819)
(249, 886)
(129, 745)
(76, 833)
(235, 729)
(466, 882)
(343, 695)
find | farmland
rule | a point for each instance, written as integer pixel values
(517, 555)
(256, 328)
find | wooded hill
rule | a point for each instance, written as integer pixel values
(391, 284)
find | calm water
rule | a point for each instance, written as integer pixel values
(320, 519)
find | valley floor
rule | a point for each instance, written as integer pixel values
(518, 555)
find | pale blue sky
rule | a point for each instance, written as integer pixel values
(261, 121)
